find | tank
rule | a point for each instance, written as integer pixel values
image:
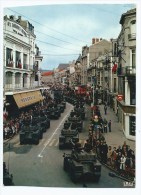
(76, 122)
(61, 108)
(44, 123)
(80, 111)
(82, 166)
(54, 113)
(66, 136)
(7, 178)
(30, 134)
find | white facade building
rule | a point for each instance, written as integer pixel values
(20, 57)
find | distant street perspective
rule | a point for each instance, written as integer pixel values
(70, 124)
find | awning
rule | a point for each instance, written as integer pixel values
(27, 98)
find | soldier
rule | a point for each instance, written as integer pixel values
(87, 146)
(109, 125)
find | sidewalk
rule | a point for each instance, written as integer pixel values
(116, 137)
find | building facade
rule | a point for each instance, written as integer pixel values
(126, 45)
(21, 59)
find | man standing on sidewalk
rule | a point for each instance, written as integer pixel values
(109, 125)
(105, 109)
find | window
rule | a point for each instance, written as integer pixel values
(133, 93)
(18, 60)
(133, 27)
(132, 125)
(9, 78)
(9, 57)
(133, 58)
(25, 61)
(9, 24)
(115, 83)
(17, 78)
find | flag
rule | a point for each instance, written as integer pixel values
(114, 68)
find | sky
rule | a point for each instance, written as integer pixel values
(63, 29)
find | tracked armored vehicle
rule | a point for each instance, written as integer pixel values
(80, 111)
(7, 178)
(30, 134)
(67, 135)
(76, 122)
(82, 165)
(44, 123)
(54, 113)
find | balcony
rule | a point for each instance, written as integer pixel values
(10, 64)
(132, 36)
(130, 71)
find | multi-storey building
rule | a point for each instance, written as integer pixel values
(78, 67)
(20, 73)
(126, 45)
(84, 62)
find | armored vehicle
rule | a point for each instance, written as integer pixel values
(76, 122)
(80, 111)
(30, 134)
(82, 165)
(61, 108)
(67, 124)
(7, 178)
(44, 123)
(66, 136)
(54, 113)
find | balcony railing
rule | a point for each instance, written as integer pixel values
(130, 70)
(132, 36)
(10, 64)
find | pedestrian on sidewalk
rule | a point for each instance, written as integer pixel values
(105, 125)
(122, 164)
(109, 125)
(105, 109)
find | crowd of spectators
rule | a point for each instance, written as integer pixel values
(121, 158)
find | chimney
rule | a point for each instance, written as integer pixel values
(97, 40)
(93, 41)
(12, 17)
(19, 18)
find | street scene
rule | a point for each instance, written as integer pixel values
(69, 119)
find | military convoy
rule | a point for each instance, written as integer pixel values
(7, 178)
(82, 165)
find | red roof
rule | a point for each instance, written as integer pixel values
(47, 73)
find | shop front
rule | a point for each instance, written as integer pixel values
(22, 100)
